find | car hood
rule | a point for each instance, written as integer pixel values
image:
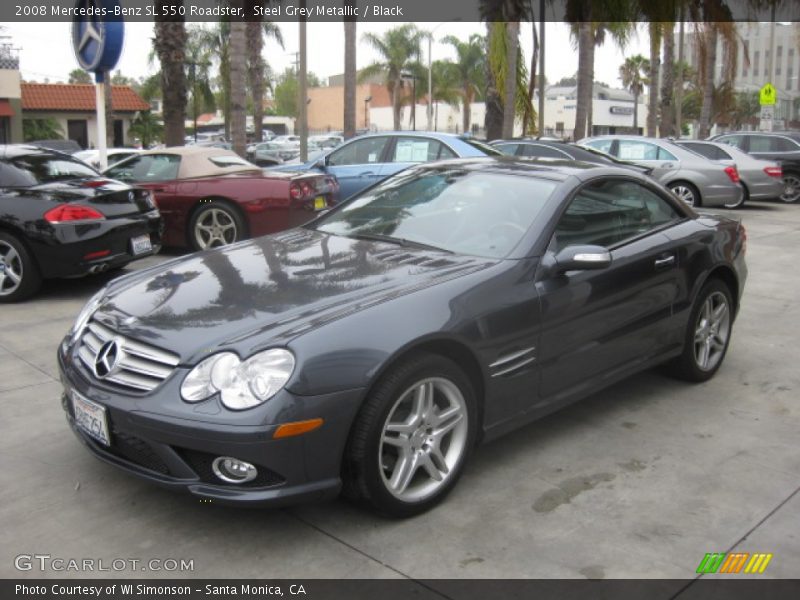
(268, 290)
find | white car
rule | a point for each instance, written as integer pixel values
(113, 156)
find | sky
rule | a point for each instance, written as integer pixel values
(46, 53)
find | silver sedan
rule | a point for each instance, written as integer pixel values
(762, 179)
(693, 178)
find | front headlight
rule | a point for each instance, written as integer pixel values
(240, 384)
(86, 313)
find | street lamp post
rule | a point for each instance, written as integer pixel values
(406, 75)
(367, 100)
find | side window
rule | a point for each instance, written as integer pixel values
(539, 150)
(763, 143)
(783, 145)
(413, 149)
(737, 141)
(602, 145)
(635, 150)
(360, 152)
(509, 149)
(610, 211)
(665, 154)
(152, 167)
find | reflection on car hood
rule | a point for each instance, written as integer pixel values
(268, 290)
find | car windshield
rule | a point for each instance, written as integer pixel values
(485, 148)
(478, 213)
(35, 169)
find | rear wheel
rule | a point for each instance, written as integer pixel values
(686, 192)
(739, 203)
(707, 334)
(19, 273)
(215, 224)
(412, 438)
(791, 187)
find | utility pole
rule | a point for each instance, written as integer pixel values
(541, 67)
(679, 89)
(302, 104)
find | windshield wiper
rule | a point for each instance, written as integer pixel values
(379, 237)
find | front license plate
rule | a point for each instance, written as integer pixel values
(141, 245)
(319, 203)
(90, 417)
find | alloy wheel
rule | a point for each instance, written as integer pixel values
(712, 331)
(215, 227)
(791, 190)
(423, 440)
(11, 270)
(684, 193)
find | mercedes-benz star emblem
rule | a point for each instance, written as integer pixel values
(106, 359)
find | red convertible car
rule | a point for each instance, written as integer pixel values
(212, 197)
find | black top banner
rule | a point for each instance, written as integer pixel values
(399, 10)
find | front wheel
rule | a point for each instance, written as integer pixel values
(215, 224)
(707, 335)
(412, 438)
(791, 187)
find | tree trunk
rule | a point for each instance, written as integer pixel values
(238, 60)
(493, 120)
(510, 91)
(636, 114)
(655, 69)
(668, 82)
(710, 39)
(532, 80)
(395, 93)
(585, 78)
(255, 72)
(350, 74)
(170, 45)
(466, 107)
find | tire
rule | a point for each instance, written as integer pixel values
(791, 192)
(686, 192)
(19, 273)
(707, 335)
(401, 459)
(740, 203)
(215, 224)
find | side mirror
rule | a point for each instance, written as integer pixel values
(582, 258)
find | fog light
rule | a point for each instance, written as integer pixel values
(233, 470)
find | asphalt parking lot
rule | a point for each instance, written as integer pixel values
(640, 480)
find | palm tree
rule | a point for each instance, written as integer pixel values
(653, 75)
(499, 41)
(238, 64)
(350, 75)
(446, 86)
(667, 125)
(510, 95)
(257, 67)
(631, 75)
(170, 45)
(399, 49)
(470, 66)
(147, 128)
(79, 76)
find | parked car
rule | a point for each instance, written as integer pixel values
(326, 141)
(693, 178)
(212, 197)
(373, 348)
(59, 145)
(60, 218)
(113, 155)
(761, 179)
(548, 148)
(781, 146)
(368, 159)
(270, 154)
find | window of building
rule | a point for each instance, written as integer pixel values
(790, 69)
(755, 63)
(745, 57)
(778, 59)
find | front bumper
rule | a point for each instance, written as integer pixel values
(177, 453)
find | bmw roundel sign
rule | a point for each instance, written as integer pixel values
(97, 34)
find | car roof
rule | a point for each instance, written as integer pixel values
(15, 150)
(195, 161)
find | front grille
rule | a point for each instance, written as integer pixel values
(139, 367)
(137, 451)
(200, 462)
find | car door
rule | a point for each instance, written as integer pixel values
(649, 155)
(357, 164)
(600, 323)
(406, 151)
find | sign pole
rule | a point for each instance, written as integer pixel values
(100, 106)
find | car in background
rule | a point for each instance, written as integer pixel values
(370, 351)
(761, 179)
(781, 146)
(693, 178)
(551, 148)
(60, 218)
(365, 160)
(212, 197)
(270, 154)
(113, 155)
(325, 141)
(60, 145)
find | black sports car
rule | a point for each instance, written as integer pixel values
(371, 349)
(60, 218)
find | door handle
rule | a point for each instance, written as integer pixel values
(665, 261)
